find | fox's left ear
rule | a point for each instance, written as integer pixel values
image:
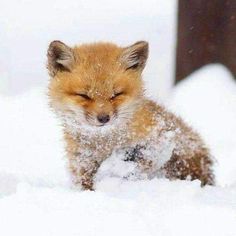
(60, 58)
(135, 56)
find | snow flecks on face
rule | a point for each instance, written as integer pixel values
(76, 122)
(74, 119)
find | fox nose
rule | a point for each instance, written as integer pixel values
(103, 118)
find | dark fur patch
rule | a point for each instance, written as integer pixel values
(134, 154)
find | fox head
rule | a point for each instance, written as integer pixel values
(96, 84)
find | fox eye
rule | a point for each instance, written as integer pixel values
(116, 95)
(85, 96)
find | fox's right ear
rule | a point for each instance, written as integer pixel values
(135, 56)
(60, 58)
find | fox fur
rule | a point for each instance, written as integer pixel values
(98, 93)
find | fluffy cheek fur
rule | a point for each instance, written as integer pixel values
(74, 109)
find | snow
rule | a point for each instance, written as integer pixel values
(36, 197)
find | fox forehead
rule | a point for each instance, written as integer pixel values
(93, 81)
(100, 69)
(95, 84)
(97, 69)
(100, 59)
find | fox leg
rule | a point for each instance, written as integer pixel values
(83, 170)
(83, 162)
(196, 167)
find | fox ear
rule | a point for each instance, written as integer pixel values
(135, 56)
(60, 58)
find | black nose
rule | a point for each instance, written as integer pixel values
(103, 118)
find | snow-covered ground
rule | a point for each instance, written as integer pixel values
(35, 193)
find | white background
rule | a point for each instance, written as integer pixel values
(27, 27)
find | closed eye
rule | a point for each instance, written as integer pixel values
(117, 95)
(85, 96)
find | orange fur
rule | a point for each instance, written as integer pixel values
(101, 79)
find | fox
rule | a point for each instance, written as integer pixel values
(97, 91)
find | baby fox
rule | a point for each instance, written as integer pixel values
(97, 91)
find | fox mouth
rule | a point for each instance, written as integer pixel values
(101, 125)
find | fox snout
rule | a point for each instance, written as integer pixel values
(99, 113)
(103, 118)
(104, 112)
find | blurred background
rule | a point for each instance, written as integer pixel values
(27, 27)
(183, 36)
